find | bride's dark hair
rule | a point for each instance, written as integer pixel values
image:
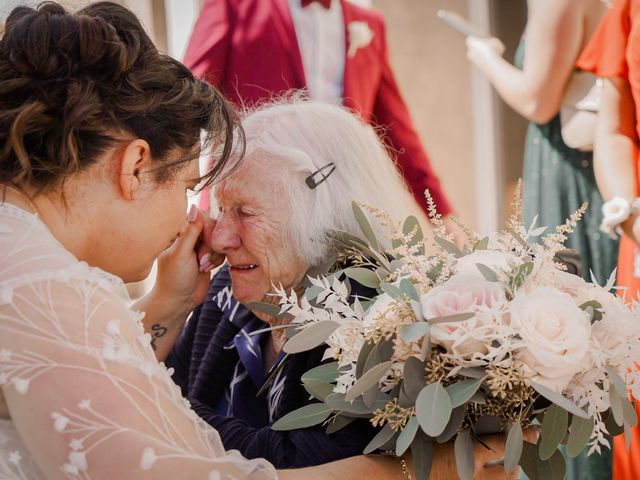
(72, 85)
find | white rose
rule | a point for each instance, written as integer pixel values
(462, 293)
(497, 261)
(555, 334)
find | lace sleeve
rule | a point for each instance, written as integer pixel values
(87, 396)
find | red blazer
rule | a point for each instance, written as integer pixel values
(249, 50)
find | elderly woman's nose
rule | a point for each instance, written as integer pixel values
(225, 236)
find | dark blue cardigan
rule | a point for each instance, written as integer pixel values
(204, 368)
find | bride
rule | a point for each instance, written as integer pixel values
(100, 136)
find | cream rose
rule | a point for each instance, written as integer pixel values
(462, 293)
(555, 333)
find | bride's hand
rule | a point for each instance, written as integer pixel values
(184, 268)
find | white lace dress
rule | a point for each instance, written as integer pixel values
(87, 398)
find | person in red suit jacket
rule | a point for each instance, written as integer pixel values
(251, 51)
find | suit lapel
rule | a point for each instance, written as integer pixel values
(283, 23)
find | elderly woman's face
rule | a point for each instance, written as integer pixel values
(251, 230)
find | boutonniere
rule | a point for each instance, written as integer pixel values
(360, 35)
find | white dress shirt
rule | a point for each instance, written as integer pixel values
(321, 39)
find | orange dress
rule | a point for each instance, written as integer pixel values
(614, 51)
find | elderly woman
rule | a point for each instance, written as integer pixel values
(305, 163)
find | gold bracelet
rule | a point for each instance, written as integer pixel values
(405, 468)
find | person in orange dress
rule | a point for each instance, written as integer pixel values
(614, 54)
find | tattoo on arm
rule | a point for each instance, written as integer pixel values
(157, 331)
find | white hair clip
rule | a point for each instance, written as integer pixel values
(311, 180)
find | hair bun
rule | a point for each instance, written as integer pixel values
(61, 45)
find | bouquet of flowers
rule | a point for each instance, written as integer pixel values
(457, 342)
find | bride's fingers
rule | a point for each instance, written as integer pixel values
(189, 238)
(208, 259)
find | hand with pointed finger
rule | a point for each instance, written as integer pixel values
(184, 269)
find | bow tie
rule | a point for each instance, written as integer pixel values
(325, 3)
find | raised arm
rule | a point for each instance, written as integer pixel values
(554, 36)
(615, 149)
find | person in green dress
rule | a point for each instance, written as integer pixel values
(557, 178)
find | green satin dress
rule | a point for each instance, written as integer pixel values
(557, 180)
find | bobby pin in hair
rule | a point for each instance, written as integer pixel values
(312, 182)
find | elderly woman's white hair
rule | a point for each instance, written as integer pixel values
(308, 135)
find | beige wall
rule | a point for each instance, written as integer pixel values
(429, 59)
(432, 70)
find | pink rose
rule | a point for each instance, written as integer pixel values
(462, 293)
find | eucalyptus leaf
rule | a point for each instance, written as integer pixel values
(517, 237)
(520, 274)
(481, 244)
(629, 412)
(381, 352)
(393, 291)
(407, 435)
(368, 380)
(487, 272)
(370, 396)
(365, 351)
(363, 276)
(616, 405)
(338, 423)
(414, 331)
(462, 391)
(414, 379)
(312, 292)
(581, 430)
(303, 417)
(554, 428)
(465, 462)
(559, 400)
(627, 436)
(448, 246)
(264, 307)
(479, 397)
(513, 447)
(536, 469)
(458, 317)
(409, 289)
(422, 455)
(472, 372)
(455, 422)
(310, 337)
(351, 241)
(617, 382)
(380, 439)
(318, 389)
(594, 308)
(364, 224)
(356, 408)
(327, 372)
(433, 409)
